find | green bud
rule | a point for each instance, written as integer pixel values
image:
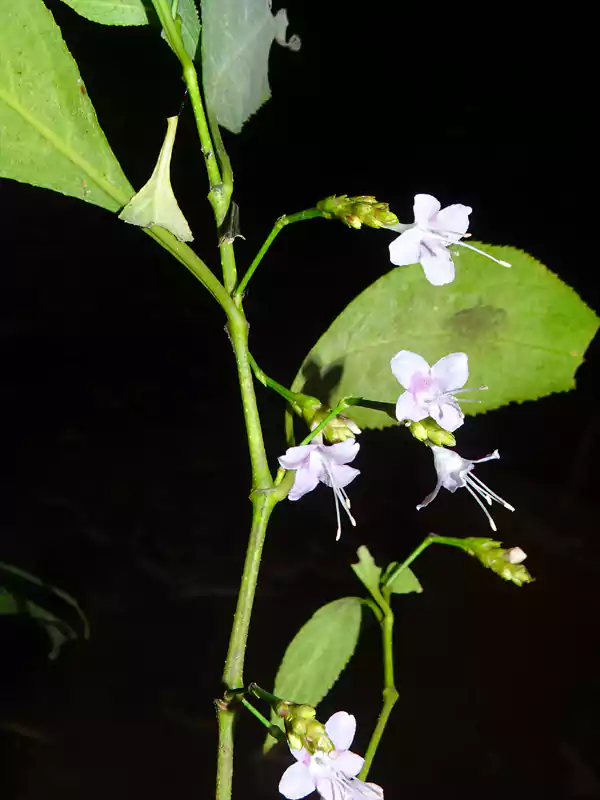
(302, 729)
(506, 562)
(314, 412)
(428, 430)
(358, 211)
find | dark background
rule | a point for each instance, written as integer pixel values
(124, 474)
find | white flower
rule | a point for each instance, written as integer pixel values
(455, 472)
(426, 241)
(333, 774)
(323, 463)
(430, 390)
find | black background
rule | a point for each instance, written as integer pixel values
(125, 477)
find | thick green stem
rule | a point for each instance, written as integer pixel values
(286, 219)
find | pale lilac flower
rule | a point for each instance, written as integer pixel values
(332, 775)
(426, 241)
(327, 464)
(430, 390)
(455, 472)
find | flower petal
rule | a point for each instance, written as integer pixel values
(448, 416)
(451, 372)
(408, 408)
(452, 219)
(305, 481)
(329, 791)
(425, 207)
(405, 365)
(450, 467)
(296, 782)
(406, 248)
(341, 728)
(437, 265)
(343, 452)
(340, 475)
(349, 763)
(294, 457)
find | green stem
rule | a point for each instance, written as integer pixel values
(390, 693)
(286, 219)
(172, 30)
(186, 256)
(269, 382)
(431, 539)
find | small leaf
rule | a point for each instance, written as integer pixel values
(155, 203)
(236, 40)
(111, 12)
(50, 133)
(367, 570)
(317, 655)
(404, 582)
(524, 330)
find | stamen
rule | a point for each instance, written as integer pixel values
(485, 511)
(487, 255)
(492, 494)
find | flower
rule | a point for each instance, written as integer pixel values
(455, 472)
(430, 390)
(332, 774)
(427, 239)
(327, 464)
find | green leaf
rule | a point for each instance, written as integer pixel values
(24, 593)
(367, 570)
(236, 40)
(50, 133)
(317, 655)
(111, 12)
(524, 330)
(190, 26)
(404, 582)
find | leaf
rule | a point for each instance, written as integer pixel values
(190, 26)
(24, 593)
(405, 582)
(236, 40)
(317, 655)
(111, 12)
(155, 203)
(524, 330)
(367, 570)
(50, 133)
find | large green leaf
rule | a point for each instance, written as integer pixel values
(23, 593)
(317, 654)
(50, 133)
(236, 40)
(524, 330)
(111, 12)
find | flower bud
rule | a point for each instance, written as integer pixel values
(428, 430)
(302, 729)
(358, 211)
(314, 412)
(506, 562)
